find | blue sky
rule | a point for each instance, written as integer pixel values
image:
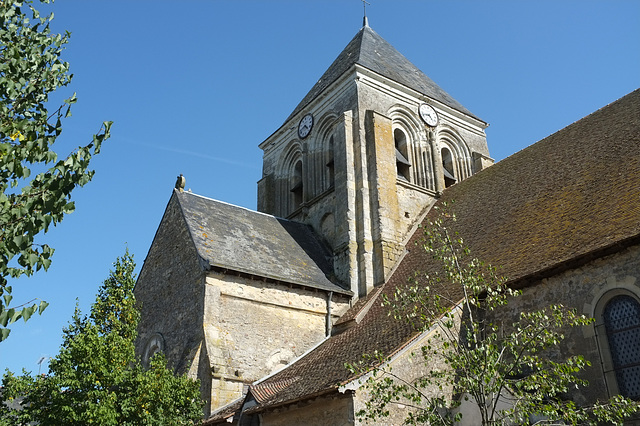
(194, 86)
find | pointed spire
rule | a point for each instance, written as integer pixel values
(371, 51)
(365, 20)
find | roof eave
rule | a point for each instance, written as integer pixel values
(331, 287)
(582, 259)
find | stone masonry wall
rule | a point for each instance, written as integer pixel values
(395, 206)
(170, 293)
(410, 365)
(254, 328)
(323, 411)
(581, 289)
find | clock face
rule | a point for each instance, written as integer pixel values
(428, 115)
(304, 128)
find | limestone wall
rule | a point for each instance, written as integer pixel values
(323, 411)
(582, 289)
(254, 328)
(170, 292)
(408, 364)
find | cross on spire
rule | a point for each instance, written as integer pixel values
(365, 21)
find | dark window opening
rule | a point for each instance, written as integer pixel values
(297, 186)
(330, 164)
(402, 155)
(622, 322)
(447, 168)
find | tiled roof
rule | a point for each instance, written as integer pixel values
(234, 238)
(555, 203)
(572, 194)
(222, 415)
(371, 51)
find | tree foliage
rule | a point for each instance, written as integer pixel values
(30, 71)
(96, 378)
(502, 365)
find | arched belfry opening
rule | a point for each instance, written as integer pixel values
(402, 155)
(330, 164)
(448, 167)
(297, 185)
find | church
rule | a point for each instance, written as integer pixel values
(266, 307)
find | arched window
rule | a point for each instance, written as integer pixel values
(155, 344)
(448, 168)
(291, 180)
(455, 156)
(621, 317)
(402, 155)
(297, 187)
(330, 165)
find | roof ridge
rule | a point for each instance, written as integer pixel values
(240, 207)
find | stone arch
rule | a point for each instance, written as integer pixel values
(455, 155)
(402, 117)
(325, 153)
(155, 344)
(291, 179)
(414, 159)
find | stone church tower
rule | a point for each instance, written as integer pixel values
(231, 296)
(365, 153)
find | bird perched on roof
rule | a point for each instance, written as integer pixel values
(180, 183)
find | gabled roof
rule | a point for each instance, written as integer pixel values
(233, 238)
(555, 205)
(371, 51)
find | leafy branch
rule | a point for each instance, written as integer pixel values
(31, 69)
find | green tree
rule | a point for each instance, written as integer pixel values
(499, 364)
(30, 71)
(96, 378)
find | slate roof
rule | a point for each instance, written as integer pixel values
(237, 239)
(371, 51)
(557, 204)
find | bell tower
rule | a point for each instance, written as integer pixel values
(365, 154)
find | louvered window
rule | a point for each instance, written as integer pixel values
(402, 155)
(622, 322)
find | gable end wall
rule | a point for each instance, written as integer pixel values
(170, 292)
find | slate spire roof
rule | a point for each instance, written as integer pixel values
(371, 51)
